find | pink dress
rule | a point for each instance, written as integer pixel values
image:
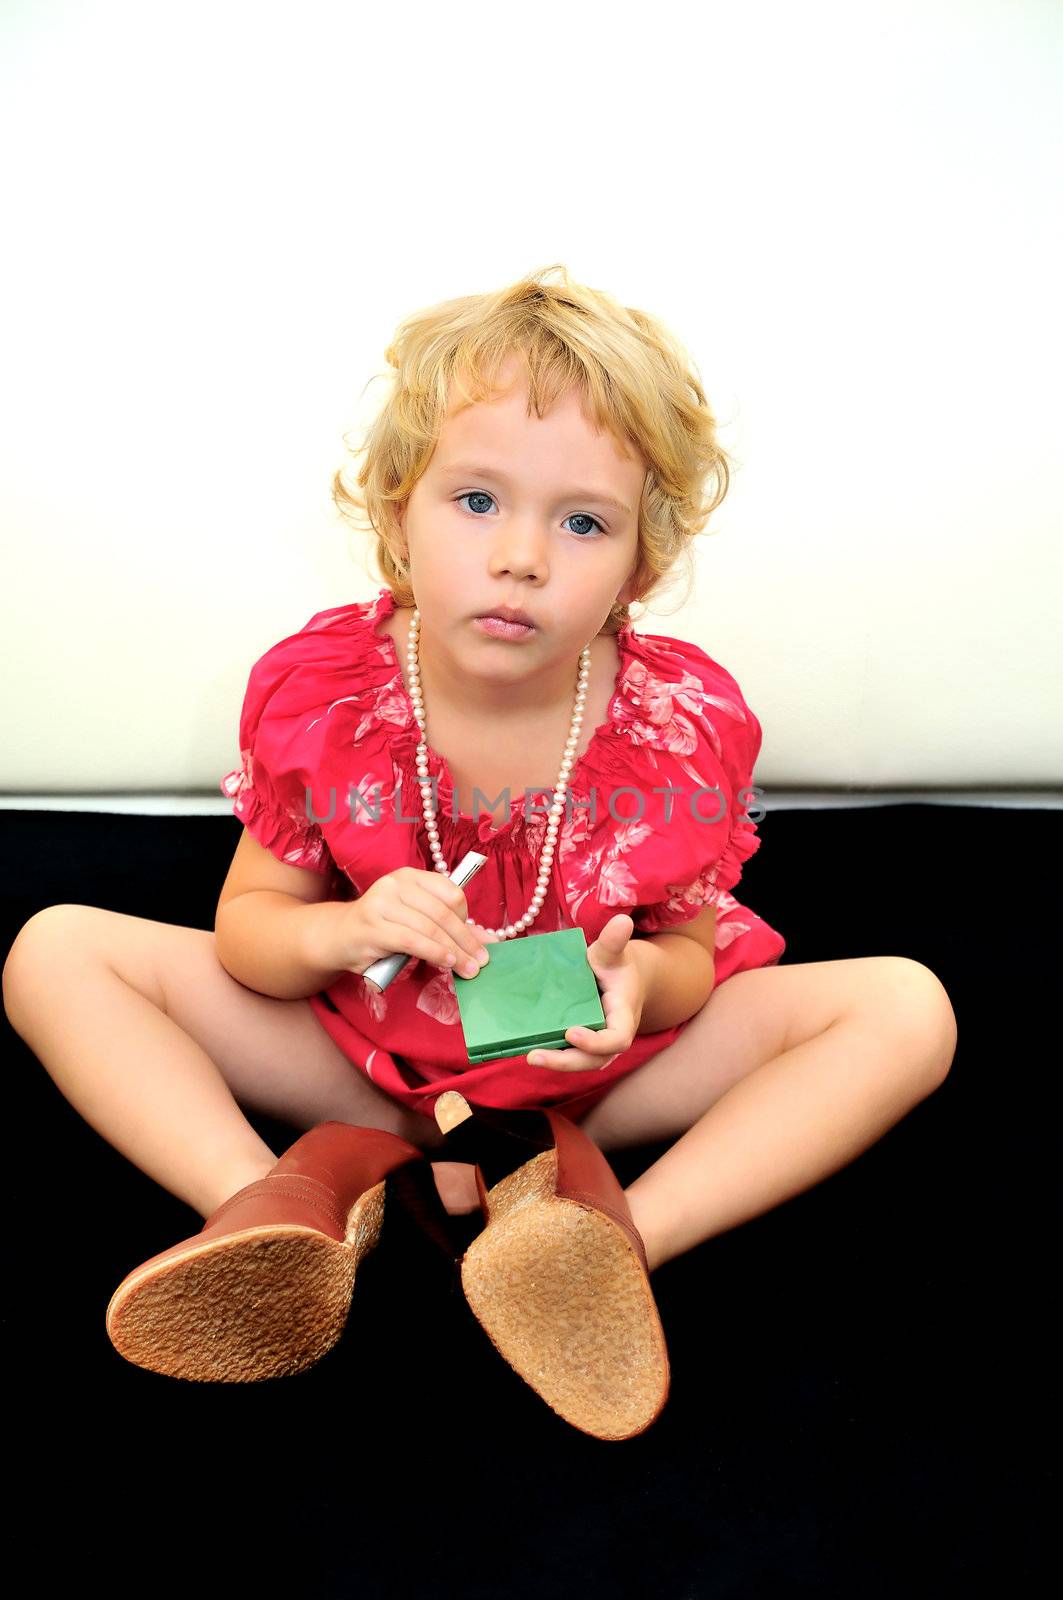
(328, 781)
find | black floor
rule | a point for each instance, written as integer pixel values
(861, 1383)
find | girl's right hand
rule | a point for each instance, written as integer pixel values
(411, 910)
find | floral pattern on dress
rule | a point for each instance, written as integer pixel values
(284, 829)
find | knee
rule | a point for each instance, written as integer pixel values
(917, 1002)
(33, 952)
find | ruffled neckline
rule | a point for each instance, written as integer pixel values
(483, 827)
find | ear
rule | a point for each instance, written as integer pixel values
(627, 593)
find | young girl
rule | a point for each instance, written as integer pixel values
(545, 451)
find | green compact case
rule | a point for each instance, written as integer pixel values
(530, 991)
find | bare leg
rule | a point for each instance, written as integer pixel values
(146, 1087)
(780, 1130)
(92, 992)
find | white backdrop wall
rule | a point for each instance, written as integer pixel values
(214, 215)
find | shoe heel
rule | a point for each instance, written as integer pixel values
(558, 1279)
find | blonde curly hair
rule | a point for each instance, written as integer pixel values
(632, 375)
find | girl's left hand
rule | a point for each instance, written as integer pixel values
(623, 997)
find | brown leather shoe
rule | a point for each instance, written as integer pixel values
(558, 1278)
(265, 1287)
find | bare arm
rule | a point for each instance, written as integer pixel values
(270, 941)
(276, 931)
(679, 973)
(272, 923)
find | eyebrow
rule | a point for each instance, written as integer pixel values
(461, 469)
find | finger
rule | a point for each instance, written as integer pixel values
(421, 936)
(619, 1027)
(424, 889)
(614, 937)
(596, 1041)
(563, 1060)
(456, 936)
(596, 1045)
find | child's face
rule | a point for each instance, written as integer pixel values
(532, 532)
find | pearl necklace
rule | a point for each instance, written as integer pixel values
(413, 673)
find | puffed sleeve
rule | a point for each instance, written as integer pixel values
(674, 896)
(679, 745)
(698, 854)
(268, 788)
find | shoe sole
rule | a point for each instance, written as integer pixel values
(263, 1302)
(563, 1297)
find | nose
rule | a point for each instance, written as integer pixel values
(520, 549)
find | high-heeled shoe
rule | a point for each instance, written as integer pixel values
(558, 1278)
(264, 1288)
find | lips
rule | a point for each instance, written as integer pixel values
(508, 616)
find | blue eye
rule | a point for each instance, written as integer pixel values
(482, 494)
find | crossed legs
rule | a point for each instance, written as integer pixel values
(785, 1075)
